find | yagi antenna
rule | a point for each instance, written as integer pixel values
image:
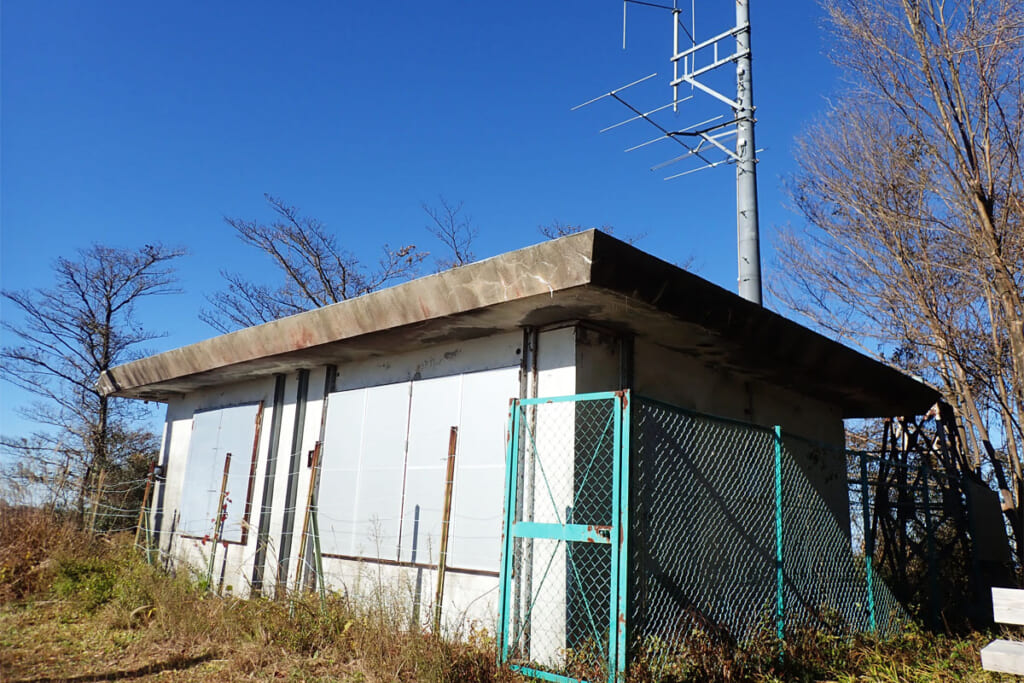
(693, 62)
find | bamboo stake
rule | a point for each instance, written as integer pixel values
(445, 521)
(218, 520)
(142, 507)
(319, 560)
(314, 464)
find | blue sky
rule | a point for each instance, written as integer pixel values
(130, 122)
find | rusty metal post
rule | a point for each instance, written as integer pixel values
(442, 561)
(218, 524)
(142, 507)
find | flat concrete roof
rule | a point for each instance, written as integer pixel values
(588, 276)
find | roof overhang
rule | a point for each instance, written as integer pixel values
(587, 276)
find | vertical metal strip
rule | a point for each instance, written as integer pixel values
(869, 542)
(623, 455)
(251, 486)
(405, 475)
(511, 494)
(301, 570)
(526, 492)
(292, 492)
(780, 623)
(269, 476)
(312, 576)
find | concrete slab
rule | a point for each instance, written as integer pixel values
(587, 276)
(1005, 656)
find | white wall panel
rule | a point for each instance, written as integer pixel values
(379, 497)
(216, 433)
(339, 460)
(434, 411)
(363, 463)
(368, 467)
(474, 355)
(480, 468)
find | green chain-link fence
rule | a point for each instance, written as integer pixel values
(727, 528)
(739, 528)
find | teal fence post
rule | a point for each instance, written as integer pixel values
(780, 623)
(507, 546)
(620, 533)
(869, 542)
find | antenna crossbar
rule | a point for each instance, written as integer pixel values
(613, 93)
(682, 131)
(719, 61)
(638, 117)
(657, 125)
(734, 104)
(731, 33)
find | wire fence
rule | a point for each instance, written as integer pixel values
(734, 531)
(740, 528)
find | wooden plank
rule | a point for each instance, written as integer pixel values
(1005, 656)
(1008, 605)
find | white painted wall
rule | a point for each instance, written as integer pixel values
(387, 423)
(384, 450)
(385, 454)
(685, 381)
(235, 561)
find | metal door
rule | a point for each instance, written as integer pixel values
(562, 608)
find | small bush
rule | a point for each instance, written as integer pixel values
(89, 582)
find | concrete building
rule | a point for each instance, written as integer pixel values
(371, 387)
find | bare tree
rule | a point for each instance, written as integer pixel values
(456, 231)
(913, 190)
(316, 270)
(66, 336)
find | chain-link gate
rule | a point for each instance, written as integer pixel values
(563, 587)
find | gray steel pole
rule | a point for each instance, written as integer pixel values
(747, 240)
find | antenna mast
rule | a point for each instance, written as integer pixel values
(692, 61)
(748, 245)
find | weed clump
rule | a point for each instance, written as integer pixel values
(89, 582)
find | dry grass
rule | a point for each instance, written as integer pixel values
(78, 608)
(83, 609)
(914, 656)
